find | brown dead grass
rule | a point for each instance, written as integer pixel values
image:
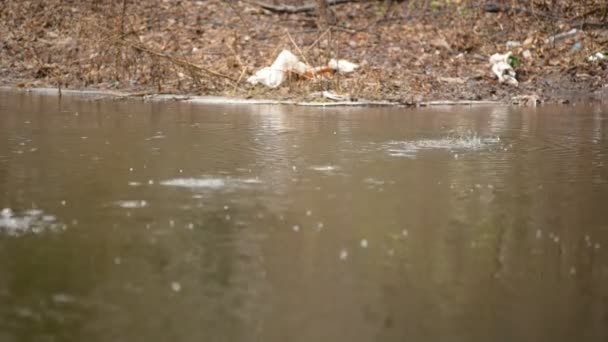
(409, 50)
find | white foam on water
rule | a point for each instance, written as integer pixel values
(467, 142)
(374, 181)
(156, 137)
(132, 204)
(343, 254)
(212, 183)
(249, 181)
(324, 168)
(33, 221)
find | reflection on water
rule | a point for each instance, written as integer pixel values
(126, 221)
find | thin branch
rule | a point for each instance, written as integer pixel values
(306, 49)
(297, 9)
(297, 47)
(176, 60)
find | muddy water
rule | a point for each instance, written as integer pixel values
(125, 221)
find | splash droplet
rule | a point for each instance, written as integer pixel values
(343, 254)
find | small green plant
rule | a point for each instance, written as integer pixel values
(436, 5)
(514, 61)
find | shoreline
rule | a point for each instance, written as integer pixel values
(408, 54)
(227, 100)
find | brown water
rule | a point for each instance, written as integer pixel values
(173, 222)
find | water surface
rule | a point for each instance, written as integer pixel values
(130, 221)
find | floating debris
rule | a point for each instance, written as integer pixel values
(295, 228)
(364, 243)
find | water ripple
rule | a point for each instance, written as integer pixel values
(32, 221)
(410, 149)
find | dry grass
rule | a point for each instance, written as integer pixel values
(210, 47)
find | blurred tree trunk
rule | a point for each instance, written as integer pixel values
(323, 15)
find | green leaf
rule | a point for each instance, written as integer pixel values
(514, 61)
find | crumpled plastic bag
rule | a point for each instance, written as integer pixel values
(597, 57)
(342, 66)
(502, 69)
(286, 62)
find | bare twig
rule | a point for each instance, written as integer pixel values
(178, 61)
(239, 79)
(122, 18)
(297, 47)
(296, 9)
(306, 49)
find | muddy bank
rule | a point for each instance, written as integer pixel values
(226, 100)
(409, 52)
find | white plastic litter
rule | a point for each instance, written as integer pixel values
(342, 66)
(287, 62)
(513, 44)
(596, 57)
(502, 69)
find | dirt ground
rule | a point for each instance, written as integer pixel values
(409, 51)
